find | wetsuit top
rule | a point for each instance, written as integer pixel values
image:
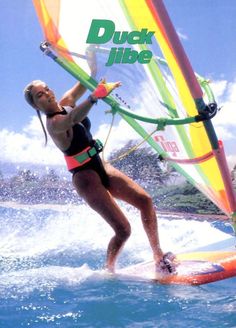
(82, 138)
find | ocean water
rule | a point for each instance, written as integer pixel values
(51, 260)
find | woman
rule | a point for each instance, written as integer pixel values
(97, 183)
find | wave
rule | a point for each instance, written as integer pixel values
(43, 246)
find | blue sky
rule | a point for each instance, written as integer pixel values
(207, 29)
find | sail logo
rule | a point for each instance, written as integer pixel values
(102, 31)
(167, 146)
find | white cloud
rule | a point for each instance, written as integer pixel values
(181, 35)
(219, 87)
(225, 120)
(224, 133)
(118, 137)
(28, 146)
(226, 98)
(231, 160)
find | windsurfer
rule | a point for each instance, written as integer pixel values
(96, 182)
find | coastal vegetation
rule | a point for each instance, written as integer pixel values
(170, 191)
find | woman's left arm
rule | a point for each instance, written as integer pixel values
(72, 95)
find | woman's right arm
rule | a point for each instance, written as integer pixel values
(61, 123)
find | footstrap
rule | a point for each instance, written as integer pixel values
(167, 261)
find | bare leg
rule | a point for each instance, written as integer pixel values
(89, 186)
(122, 187)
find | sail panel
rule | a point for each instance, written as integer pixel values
(157, 89)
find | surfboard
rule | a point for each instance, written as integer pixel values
(194, 268)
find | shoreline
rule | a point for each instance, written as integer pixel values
(192, 216)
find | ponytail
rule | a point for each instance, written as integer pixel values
(43, 127)
(30, 101)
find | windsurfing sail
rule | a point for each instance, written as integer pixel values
(168, 104)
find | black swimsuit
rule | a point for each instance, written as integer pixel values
(82, 138)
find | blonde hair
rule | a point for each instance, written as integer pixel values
(29, 98)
